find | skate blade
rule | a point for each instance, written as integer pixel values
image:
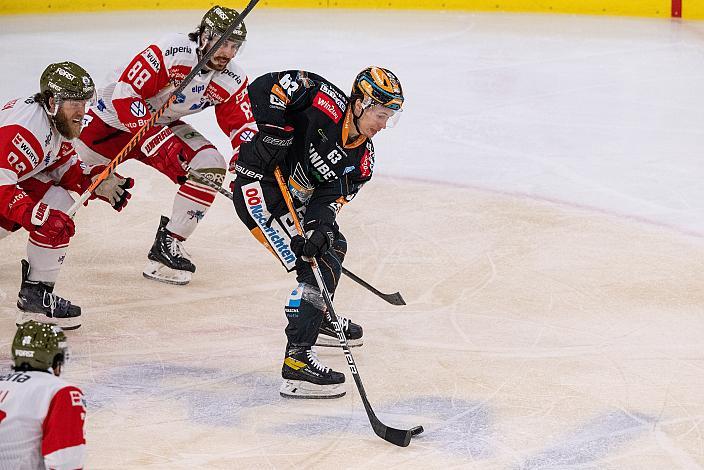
(326, 341)
(159, 272)
(307, 390)
(65, 323)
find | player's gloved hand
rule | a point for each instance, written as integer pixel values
(162, 141)
(271, 145)
(318, 243)
(56, 226)
(113, 189)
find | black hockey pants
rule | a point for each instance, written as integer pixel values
(262, 208)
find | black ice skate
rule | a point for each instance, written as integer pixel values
(328, 334)
(37, 301)
(306, 377)
(167, 258)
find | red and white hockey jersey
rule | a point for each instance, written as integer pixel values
(41, 422)
(31, 147)
(140, 89)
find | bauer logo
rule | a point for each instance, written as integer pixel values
(138, 109)
(324, 103)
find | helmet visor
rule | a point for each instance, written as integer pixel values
(383, 115)
(229, 46)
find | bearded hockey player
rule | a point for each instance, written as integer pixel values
(38, 168)
(41, 415)
(321, 140)
(171, 146)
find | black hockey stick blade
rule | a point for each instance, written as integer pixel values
(399, 437)
(393, 299)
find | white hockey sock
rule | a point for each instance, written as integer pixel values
(190, 205)
(45, 262)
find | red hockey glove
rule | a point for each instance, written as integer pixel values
(56, 226)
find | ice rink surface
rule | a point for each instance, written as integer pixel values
(540, 206)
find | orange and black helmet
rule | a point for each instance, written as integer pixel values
(377, 85)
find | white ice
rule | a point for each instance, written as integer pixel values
(540, 206)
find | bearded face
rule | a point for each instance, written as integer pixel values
(69, 117)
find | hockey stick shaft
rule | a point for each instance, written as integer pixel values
(157, 114)
(399, 437)
(394, 299)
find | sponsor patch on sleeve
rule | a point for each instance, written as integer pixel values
(151, 58)
(328, 106)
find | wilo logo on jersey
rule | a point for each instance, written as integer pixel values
(26, 149)
(152, 59)
(256, 206)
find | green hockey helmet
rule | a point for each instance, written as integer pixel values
(39, 346)
(218, 19)
(66, 81)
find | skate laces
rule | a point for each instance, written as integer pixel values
(313, 358)
(54, 301)
(176, 247)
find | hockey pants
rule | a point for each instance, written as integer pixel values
(262, 208)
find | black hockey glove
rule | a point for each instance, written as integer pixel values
(271, 145)
(318, 243)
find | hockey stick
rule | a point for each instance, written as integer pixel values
(393, 299)
(399, 437)
(157, 114)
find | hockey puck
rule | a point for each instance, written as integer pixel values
(417, 430)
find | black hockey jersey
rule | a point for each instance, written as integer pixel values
(324, 170)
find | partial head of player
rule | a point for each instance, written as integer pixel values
(215, 23)
(377, 98)
(39, 346)
(66, 90)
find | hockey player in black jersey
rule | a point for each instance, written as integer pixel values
(321, 141)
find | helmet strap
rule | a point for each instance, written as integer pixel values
(57, 105)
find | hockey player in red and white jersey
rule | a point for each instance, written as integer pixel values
(171, 146)
(38, 168)
(41, 415)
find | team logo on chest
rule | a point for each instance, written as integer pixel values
(138, 109)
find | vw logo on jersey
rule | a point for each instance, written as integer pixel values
(138, 109)
(246, 136)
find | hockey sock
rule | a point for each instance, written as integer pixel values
(45, 259)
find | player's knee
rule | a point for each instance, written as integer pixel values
(339, 246)
(306, 294)
(210, 164)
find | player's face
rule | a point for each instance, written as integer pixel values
(69, 117)
(225, 53)
(374, 119)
